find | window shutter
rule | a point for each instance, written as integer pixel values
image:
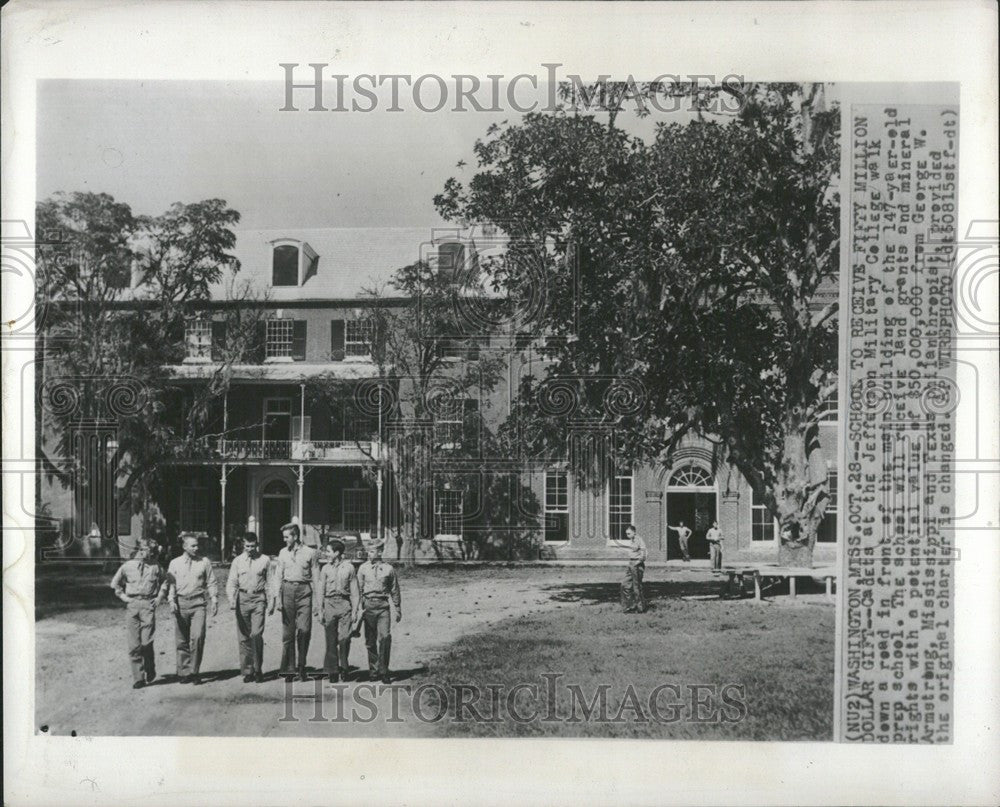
(337, 340)
(259, 347)
(124, 519)
(299, 340)
(218, 339)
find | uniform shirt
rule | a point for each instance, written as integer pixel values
(248, 575)
(339, 580)
(636, 549)
(713, 535)
(378, 579)
(682, 532)
(138, 578)
(191, 578)
(298, 565)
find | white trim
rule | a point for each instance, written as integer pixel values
(774, 531)
(448, 536)
(607, 508)
(545, 506)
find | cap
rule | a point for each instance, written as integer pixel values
(376, 543)
(291, 525)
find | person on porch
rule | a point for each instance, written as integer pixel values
(298, 598)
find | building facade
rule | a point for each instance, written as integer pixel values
(275, 451)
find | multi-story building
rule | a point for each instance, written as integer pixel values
(276, 452)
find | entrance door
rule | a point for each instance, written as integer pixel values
(697, 511)
(275, 512)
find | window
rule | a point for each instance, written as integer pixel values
(827, 410)
(448, 515)
(457, 426)
(194, 509)
(357, 515)
(827, 533)
(277, 419)
(619, 506)
(556, 507)
(762, 523)
(358, 336)
(691, 476)
(286, 339)
(198, 338)
(285, 266)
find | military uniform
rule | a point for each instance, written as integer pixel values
(248, 588)
(714, 538)
(140, 581)
(191, 584)
(338, 584)
(295, 574)
(379, 585)
(632, 595)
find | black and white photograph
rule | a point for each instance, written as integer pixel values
(360, 405)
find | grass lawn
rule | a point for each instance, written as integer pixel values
(782, 653)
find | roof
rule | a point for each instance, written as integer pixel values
(352, 261)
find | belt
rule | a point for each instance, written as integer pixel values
(248, 591)
(295, 583)
(339, 594)
(141, 596)
(377, 596)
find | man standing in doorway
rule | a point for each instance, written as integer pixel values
(714, 538)
(633, 599)
(139, 584)
(190, 585)
(341, 610)
(379, 587)
(296, 576)
(683, 534)
(247, 591)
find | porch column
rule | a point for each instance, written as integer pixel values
(378, 504)
(222, 539)
(302, 485)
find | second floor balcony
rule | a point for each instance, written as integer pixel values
(273, 452)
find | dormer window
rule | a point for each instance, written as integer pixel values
(292, 263)
(285, 266)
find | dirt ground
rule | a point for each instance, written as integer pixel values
(83, 680)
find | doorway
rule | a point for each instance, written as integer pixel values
(691, 498)
(275, 512)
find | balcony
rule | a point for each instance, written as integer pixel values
(334, 452)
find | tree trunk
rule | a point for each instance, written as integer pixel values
(800, 494)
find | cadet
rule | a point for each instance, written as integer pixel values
(714, 538)
(139, 584)
(379, 586)
(295, 576)
(190, 583)
(341, 610)
(247, 590)
(631, 588)
(683, 534)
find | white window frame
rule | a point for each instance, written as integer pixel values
(612, 541)
(828, 412)
(272, 325)
(452, 493)
(452, 421)
(831, 504)
(198, 339)
(564, 510)
(364, 494)
(355, 348)
(298, 245)
(774, 523)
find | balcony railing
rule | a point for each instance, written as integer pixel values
(298, 450)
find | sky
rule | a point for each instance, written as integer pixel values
(153, 143)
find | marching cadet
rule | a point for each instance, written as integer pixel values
(295, 582)
(247, 590)
(341, 610)
(139, 584)
(190, 584)
(379, 586)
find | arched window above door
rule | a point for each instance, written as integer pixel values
(691, 476)
(276, 488)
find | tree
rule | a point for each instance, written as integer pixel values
(697, 259)
(427, 366)
(114, 294)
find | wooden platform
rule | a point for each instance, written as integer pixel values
(761, 573)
